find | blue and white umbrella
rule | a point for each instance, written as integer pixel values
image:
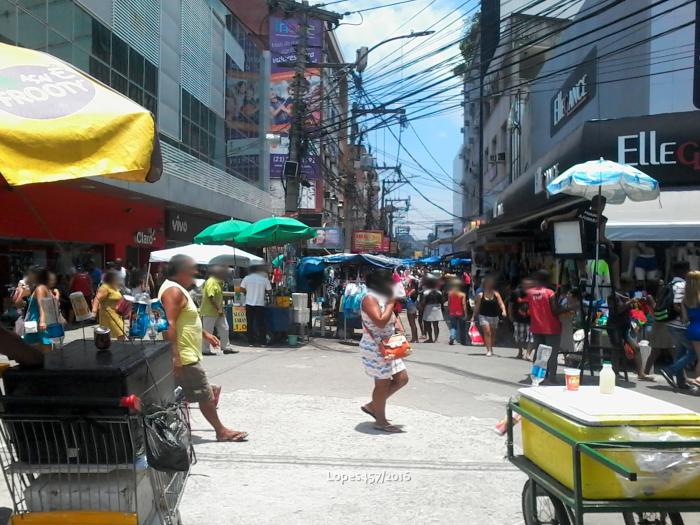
(616, 182)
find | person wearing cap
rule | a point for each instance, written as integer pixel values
(212, 310)
(254, 286)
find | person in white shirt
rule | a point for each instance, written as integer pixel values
(254, 286)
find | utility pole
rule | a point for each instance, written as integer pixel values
(296, 131)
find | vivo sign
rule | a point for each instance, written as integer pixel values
(645, 149)
(578, 89)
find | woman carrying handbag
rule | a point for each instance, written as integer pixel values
(378, 325)
(34, 326)
(104, 307)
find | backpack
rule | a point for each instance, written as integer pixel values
(664, 311)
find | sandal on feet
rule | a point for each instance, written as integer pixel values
(367, 411)
(389, 429)
(235, 437)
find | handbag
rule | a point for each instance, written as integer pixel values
(396, 347)
(475, 336)
(124, 307)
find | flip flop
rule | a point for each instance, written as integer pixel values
(368, 412)
(236, 438)
(389, 429)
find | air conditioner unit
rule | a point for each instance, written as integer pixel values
(502, 156)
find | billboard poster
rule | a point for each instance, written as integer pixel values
(284, 33)
(367, 241)
(283, 41)
(326, 239)
(242, 120)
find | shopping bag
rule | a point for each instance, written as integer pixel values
(168, 440)
(396, 347)
(475, 335)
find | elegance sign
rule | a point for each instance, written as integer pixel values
(644, 149)
(576, 92)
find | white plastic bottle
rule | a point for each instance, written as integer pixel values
(607, 378)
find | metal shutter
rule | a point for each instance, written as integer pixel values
(137, 22)
(195, 49)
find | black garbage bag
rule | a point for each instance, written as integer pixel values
(168, 440)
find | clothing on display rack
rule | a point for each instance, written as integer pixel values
(644, 264)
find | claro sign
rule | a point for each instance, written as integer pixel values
(646, 149)
(576, 92)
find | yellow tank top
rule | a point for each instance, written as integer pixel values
(188, 327)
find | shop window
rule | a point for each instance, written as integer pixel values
(120, 55)
(136, 67)
(8, 22)
(60, 13)
(31, 33)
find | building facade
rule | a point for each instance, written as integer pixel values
(619, 83)
(201, 73)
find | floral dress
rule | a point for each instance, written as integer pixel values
(375, 364)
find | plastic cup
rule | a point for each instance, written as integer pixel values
(573, 379)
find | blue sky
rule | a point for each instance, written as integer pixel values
(440, 134)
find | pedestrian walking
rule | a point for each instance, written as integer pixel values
(431, 300)
(186, 335)
(519, 315)
(412, 312)
(104, 306)
(457, 310)
(691, 315)
(544, 321)
(254, 286)
(37, 287)
(677, 327)
(488, 310)
(379, 323)
(212, 311)
(660, 299)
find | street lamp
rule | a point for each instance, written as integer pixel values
(362, 53)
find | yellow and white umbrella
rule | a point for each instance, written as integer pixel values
(58, 123)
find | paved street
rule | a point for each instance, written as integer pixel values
(313, 457)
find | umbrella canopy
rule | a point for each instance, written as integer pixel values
(362, 259)
(274, 231)
(616, 182)
(206, 254)
(58, 123)
(221, 232)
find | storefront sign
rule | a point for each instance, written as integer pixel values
(182, 226)
(644, 149)
(326, 239)
(146, 237)
(367, 241)
(576, 92)
(240, 324)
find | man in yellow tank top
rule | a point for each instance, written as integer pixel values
(185, 334)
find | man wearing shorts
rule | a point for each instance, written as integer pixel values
(185, 335)
(519, 314)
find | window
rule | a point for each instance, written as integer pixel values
(31, 32)
(120, 55)
(8, 22)
(101, 42)
(136, 67)
(61, 17)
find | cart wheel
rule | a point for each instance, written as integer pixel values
(652, 518)
(550, 510)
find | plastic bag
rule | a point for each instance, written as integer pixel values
(168, 440)
(475, 336)
(539, 367)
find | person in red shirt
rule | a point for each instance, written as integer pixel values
(544, 318)
(81, 282)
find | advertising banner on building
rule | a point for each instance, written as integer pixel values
(284, 36)
(326, 239)
(368, 241)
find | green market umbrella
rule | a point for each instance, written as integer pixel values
(221, 232)
(275, 231)
(278, 261)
